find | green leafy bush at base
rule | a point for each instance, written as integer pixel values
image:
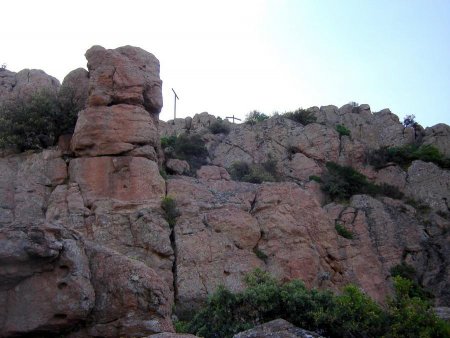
(302, 116)
(349, 314)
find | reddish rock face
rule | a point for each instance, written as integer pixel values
(124, 75)
(114, 130)
(125, 179)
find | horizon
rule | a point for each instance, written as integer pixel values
(232, 58)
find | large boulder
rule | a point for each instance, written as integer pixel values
(277, 328)
(45, 280)
(438, 136)
(31, 81)
(75, 88)
(428, 183)
(124, 75)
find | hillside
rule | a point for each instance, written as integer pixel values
(111, 232)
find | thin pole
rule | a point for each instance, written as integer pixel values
(175, 105)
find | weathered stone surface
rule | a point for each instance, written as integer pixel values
(30, 81)
(7, 82)
(131, 299)
(295, 148)
(428, 183)
(113, 130)
(75, 88)
(124, 179)
(177, 166)
(127, 75)
(439, 136)
(392, 175)
(212, 172)
(25, 185)
(45, 280)
(214, 237)
(277, 328)
(301, 167)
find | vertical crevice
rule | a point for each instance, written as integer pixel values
(173, 244)
(171, 214)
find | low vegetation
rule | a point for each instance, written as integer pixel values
(404, 155)
(171, 212)
(349, 314)
(342, 182)
(342, 130)
(302, 116)
(255, 117)
(37, 122)
(190, 148)
(343, 231)
(254, 173)
(219, 127)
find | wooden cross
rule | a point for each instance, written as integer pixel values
(234, 118)
(175, 106)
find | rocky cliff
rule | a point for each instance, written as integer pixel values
(87, 250)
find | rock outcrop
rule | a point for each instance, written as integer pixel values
(25, 83)
(86, 248)
(277, 328)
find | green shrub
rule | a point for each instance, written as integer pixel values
(315, 178)
(219, 127)
(302, 116)
(342, 182)
(255, 117)
(181, 326)
(190, 148)
(36, 122)
(349, 314)
(404, 155)
(260, 254)
(406, 271)
(169, 205)
(168, 141)
(239, 170)
(255, 173)
(412, 316)
(356, 315)
(342, 130)
(343, 231)
(403, 270)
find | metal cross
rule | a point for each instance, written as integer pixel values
(234, 118)
(175, 106)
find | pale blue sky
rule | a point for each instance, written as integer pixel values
(230, 57)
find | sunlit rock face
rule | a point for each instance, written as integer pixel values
(123, 104)
(86, 248)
